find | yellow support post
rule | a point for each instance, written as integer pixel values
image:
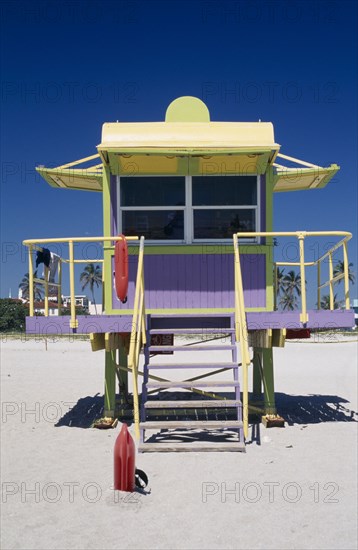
(331, 292)
(46, 271)
(73, 321)
(59, 288)
(31, 281)
(241, 332)
(134, 346)
(319, 284)
(346, 274)
(303, 316)
(144, 335)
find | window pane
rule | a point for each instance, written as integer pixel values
(224, 190)
(154, 224)
(221, 224)
(143, 191)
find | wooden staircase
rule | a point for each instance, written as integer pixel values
(193, 419)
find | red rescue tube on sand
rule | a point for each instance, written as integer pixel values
(124, 461)
(121, 269)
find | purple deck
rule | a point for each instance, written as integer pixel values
(322, 319)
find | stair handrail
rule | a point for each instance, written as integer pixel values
(138, 335)
(241, 335)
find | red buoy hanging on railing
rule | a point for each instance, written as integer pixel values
(121, 269)
(124, 461)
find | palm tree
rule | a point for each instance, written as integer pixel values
(288, 288)
(280, 278)
(292, 283)
(91, 275)
(339, 269)
(288, 301)
(325, 302)
(279, 275)
(25, 287)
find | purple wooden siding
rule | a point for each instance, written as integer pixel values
(175, 281)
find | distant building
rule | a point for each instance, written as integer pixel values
(39, 307)
(92, 309)
(355, 308)
(81, 300)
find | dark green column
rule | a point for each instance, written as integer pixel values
(256, 374)
(122, 374)
(110, 383)
(268, 381)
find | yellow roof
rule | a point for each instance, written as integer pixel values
(189, 143)
(188, 135)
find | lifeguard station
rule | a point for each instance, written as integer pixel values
(193, 199)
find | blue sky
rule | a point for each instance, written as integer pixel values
(70, 66)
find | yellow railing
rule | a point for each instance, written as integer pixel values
(44, 282)
(301, 235)
(33, 245)
(240, 317)
(302, 264)
(138, 334)
(242, 336)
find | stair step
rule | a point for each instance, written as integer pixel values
(191, 447)
(203, 331)
(190, 424)
(191, 348)
(216, 366)
(202, 404)
(193, 384)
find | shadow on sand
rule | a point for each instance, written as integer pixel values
(295, 409)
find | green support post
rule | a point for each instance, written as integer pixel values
(110, 383)
(268, 381)
(122, 374)
(256, 375)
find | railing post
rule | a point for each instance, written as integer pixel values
(331, 292)
(59, 288)
(275, 286)
(346, 274)
(301, 240)
(319, 284)
(241, 335)
(31, 281)
(73, 321)
(144, 335)
(46, 272)
(236, 259)
(136, 332)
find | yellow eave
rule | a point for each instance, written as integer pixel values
(68, 177)
(188, 135)
(305, 176)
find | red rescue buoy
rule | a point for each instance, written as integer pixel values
(124, 461)
(121, 269)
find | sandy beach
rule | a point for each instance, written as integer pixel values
(294, 488)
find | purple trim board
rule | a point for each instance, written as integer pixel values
(55, 325)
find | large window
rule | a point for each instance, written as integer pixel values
(223, 205)
(188, 209)
(153, 207)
